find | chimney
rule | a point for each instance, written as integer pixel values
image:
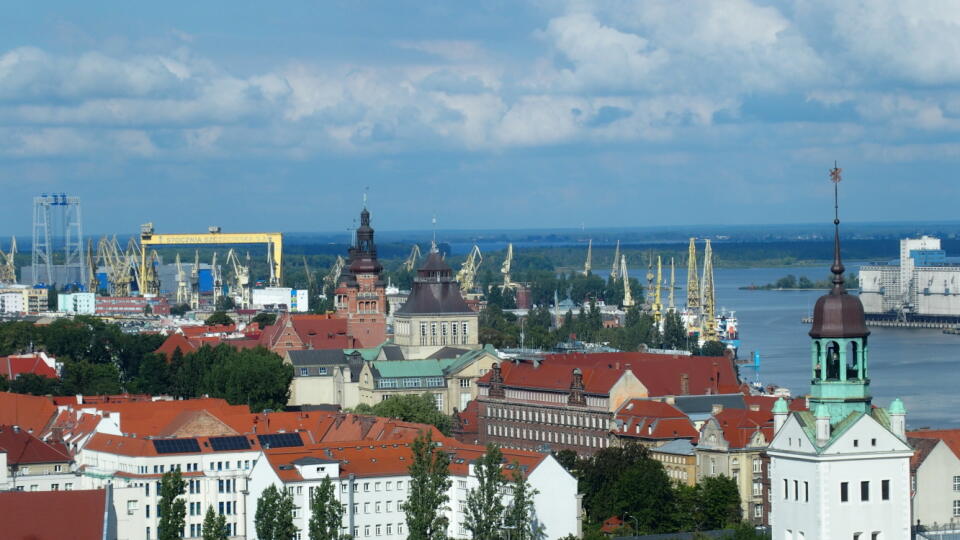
(822, 416)
(684, 384)
(754, 407)
(671, 400)
(716, 409)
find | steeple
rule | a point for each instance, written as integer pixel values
(840, 383)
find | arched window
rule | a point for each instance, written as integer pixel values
(853, 360)
(833, 361)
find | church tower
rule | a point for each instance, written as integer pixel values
(840, 469)
(360, 296)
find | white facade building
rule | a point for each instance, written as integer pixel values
(12, 302)
(371, 483)
(81, 303)
(843, 470)
(284, 298)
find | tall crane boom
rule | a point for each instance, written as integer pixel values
(588, 264)
(8, 271)
(93, 284)
(693, 287)
(468, 272)
(615, 270)
(627, 296)
(673, 286)
(411, 263)
(505, 268)
(183, 287)
(657, 306)
(709, 318)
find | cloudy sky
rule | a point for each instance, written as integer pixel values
(492, 114)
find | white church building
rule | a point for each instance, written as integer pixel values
(842, 471)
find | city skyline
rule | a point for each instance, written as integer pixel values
(531, 115)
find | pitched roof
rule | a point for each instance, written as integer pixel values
(315, 331)
(317, 357)
(680, 447)
(921, 449)
(448, 352)
(49, 515)
(157, 418)
(15, 365)
(32, 413)
(663, 374)
(650, 419)
(411, 368)
(556, 376)
(740, 425)
(22, 448)
(950, 436)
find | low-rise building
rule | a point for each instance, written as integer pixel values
(30, 464)
(935, 471)
(651, 423)
(32, 300)
(679, 460)
(39, 364)
(58, 514)
(79, 303)
(372, 483)
(11, 303)
(327, 376)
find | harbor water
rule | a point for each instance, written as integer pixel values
(921, 366)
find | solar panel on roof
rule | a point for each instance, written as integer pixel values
(280, 440)
(176, 446)
(236, 442)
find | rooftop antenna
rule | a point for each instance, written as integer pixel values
(365, 191)
(433, 244)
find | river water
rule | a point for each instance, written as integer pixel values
(917, 365)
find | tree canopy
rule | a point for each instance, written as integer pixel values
(419, 408)
(427, 498)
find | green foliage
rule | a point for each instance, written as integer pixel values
(410, 408)
(214, 526)
(519, 515)
(218, 317)
(153, 376)
(719, 502)
(484, 512)
(172, 509)
(791, 281)
(274, 516)
(713, 348)
(31, 383)
(264, 319)
(179, 310)
(427, 498)
(254, 377)
(89, 379)
(326, 512)
(225, 303)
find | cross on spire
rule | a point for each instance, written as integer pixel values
(837, 268)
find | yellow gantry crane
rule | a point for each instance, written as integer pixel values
(709, 318)
(411, 263)
(331, 279)
(214, 236)
(657, 307)
(673, 285)
(693, 290)
(505, 269)
(239, 287)
(468, 271)
(615, 270)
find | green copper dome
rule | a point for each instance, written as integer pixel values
(780, 406)
(896, 407)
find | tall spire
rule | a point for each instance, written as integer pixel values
(837, 267)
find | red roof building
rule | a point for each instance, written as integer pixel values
(32, 413)
(56, 515)
(297, 332)
(25, 449)
(40, 364)
(652, 422)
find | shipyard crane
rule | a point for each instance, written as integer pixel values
(93, 284)
(693, 290)
(8, 271)
(649, 299)
(468, 271)
(673, 286)
(505, 269)
(709, 318)
(588, 264)
(217, 276)
(615, 270)
(274, 280)
(195, 281)
(411, 263)
(627, 296)
(657, 307)
(183, 287)
(118, 273)
(332, 277)
(239, 287)
(306, 270)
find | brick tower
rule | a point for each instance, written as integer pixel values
(360, 294)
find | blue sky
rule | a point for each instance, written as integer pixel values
(501, 114)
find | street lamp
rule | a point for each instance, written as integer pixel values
(636, 524)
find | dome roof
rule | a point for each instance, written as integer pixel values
(838, 314)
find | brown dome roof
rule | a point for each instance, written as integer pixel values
(838, 314)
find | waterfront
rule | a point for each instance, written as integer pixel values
(916, 365)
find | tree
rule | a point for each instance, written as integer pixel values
(427, 498)
(420, 408)
(719, 502)
(519, 515)
(484, 507)
(171, 509)
(180, 310)
(153, 377)
(255, 377)
(274, 516)
(326, 513)
(225, 303)
(37, 385)
(713, 348)
(90, 379)
(264, 319)
(214, 526)
(218, 317)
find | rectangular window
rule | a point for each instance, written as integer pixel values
(322, 371)
(956, 483)
(885, 490)
(303, 372)
(956, 508)
(844, 494)
(786, 488)
(865, 490)
(806, 491)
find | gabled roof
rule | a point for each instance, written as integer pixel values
(315, 331)
(740, 425)
(921, 449)
(648, 419)
(949, 436)
(555, 376)
(447, 352)
(663, 374)
(44, 515)
(22, 448)
(315, 357)
(157, 418)
(410, 368)
(31, 413)
(13, 366)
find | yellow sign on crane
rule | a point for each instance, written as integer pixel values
(274, 242)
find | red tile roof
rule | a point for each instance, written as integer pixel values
(598, 379)
(191, 344)
(650, 419)
(312, 332)
(22, 448)
(15, 365)
(53, 515)
(29, 412)
(155, 418)
(950, 436)
(662, 373)
(740, 425)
